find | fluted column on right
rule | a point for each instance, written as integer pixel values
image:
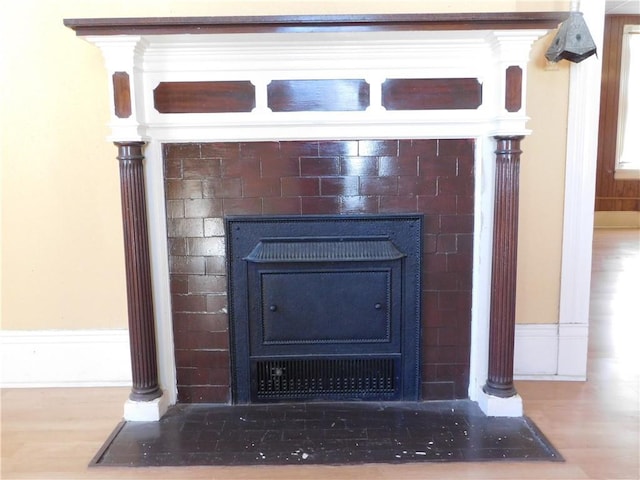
(504, 268)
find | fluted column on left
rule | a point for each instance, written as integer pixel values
(142, 336)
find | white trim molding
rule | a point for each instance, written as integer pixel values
(550, 352)
(580, 177)
(64, 358)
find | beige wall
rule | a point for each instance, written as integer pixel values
(62, 256)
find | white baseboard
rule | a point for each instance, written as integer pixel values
(550, 352)
(94, 358)
(64, 358)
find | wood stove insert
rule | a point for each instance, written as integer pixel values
(325, 307)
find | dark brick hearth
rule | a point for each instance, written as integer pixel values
(207, 181)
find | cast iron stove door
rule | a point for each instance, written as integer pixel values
(319, 315)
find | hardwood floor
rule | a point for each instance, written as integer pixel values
(52, 434)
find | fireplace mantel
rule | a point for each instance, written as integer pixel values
(251, 54)
(315, 23)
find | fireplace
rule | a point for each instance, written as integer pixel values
(371, 113)
(378, 189)
(324, 307)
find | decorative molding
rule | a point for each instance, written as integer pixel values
(550, 352)
(64, 358)
(580, 176)
(330, 95)
(316, 23)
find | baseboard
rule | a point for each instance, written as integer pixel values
(550, 352)
(64, 358)
(92, 358)
(617, 220)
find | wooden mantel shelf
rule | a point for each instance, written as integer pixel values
(315, 23)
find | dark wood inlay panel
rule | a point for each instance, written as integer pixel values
(204, 97)
(316, 23)
(513, 90)
(121, 94)
(431, 94)
(318, 95)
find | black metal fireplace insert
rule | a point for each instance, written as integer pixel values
(324, 307)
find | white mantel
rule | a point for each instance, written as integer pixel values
(374, 56)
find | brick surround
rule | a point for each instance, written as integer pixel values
(206, 181)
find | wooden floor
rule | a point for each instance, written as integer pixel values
(53, 433)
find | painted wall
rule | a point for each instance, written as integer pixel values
(62, 254)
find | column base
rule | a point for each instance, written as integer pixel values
(150, 411)
(493, 406)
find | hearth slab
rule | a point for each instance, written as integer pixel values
(324, 433)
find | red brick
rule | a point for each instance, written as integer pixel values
(186, 265)
(435, 262)
(299, 149)
(339, 186)
(259, 149)
(377, 147)
(185, 227)
(320, 205)
(207, 284)
(438, 391)
(360, 204)
(436, 167)
(177, 189)
(242, 206)
(239, 167)
(213, 227)
(339, 148)
(455, 186)
(420, 147)
(228, 150)
(207, 247)
(465, 205)
(359, 166)
(438, 281)
(216, 265)
(388, 166)
(212, 394)
(260, 187)
(280, 167)
(173, 168)
(188, 303)
(459, 262)
(447, 244)
(200, 322)
(222, 188)
(456, 223)
(181, 150)
(281, 206)
(456, 147)
(200, 168)
(416, 186)
(202, 207)
(379, 186)
(178, 284)
(300, 187)
(319, 166)
(216, 303)
(177, 246)
(438, 204)
(398, 204)
(175, 208)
